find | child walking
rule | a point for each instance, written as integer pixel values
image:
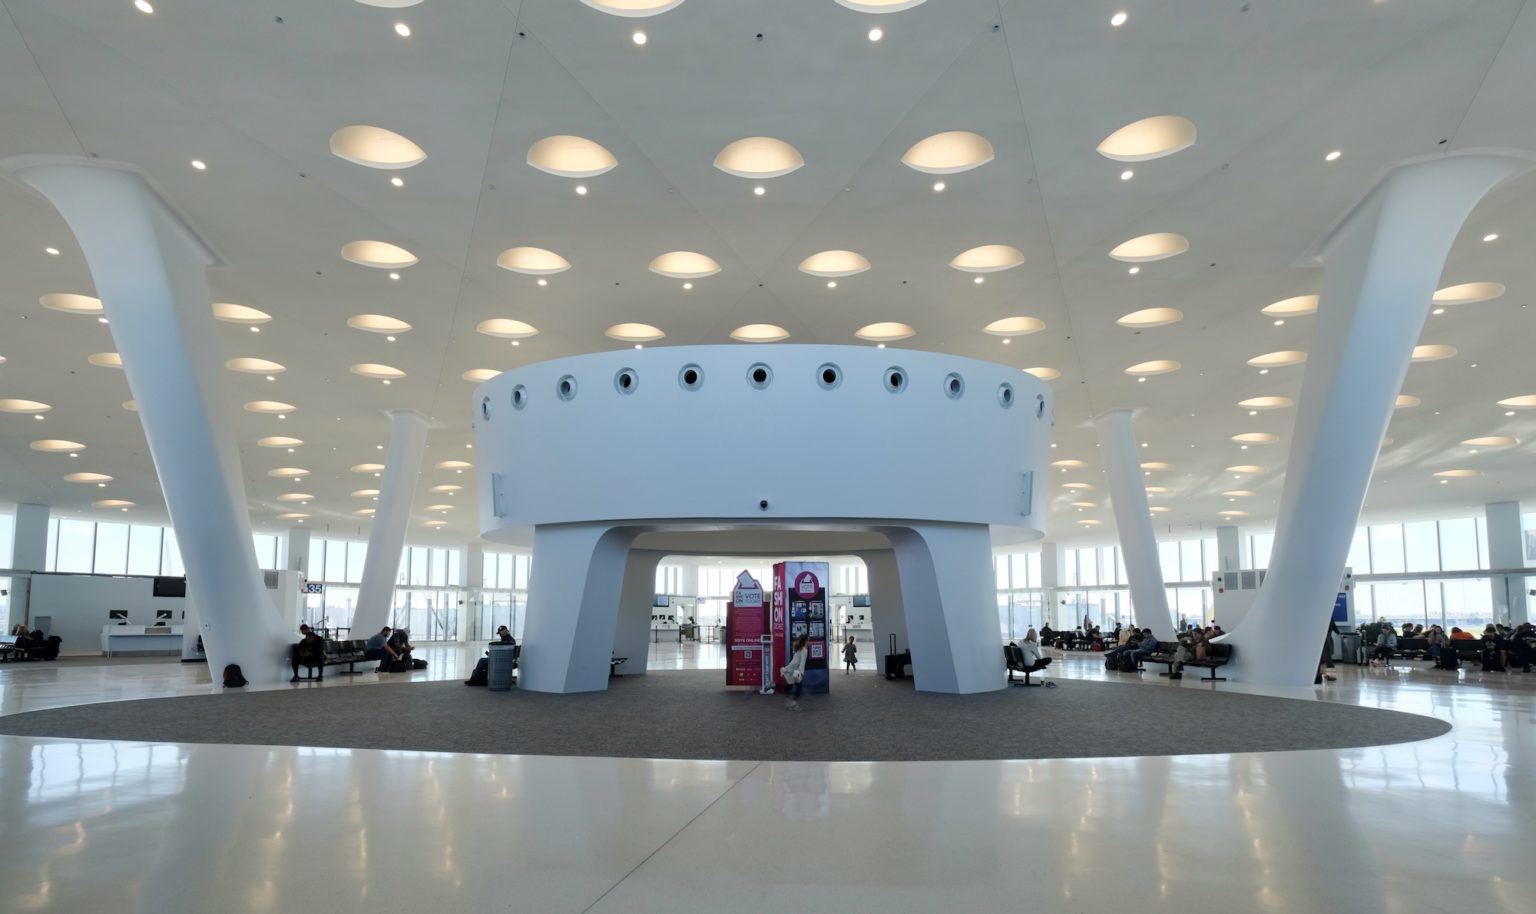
(850, 656)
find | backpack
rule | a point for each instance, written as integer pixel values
(232, 677)
(1127, 662)
(1112, 663)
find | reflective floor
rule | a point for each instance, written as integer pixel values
(1445, 824)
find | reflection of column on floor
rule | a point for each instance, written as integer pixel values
(1381, 266)
(149, 267)
(949, 595)
(1133, 519)
(637, 601)
(397, 488)
(577, 578)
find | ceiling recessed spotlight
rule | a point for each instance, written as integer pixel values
(1134, 270)
(255, 329)
(199, 164)
(687, 285)
(403, 30)
(1332, 156)
(1141, 380)
(1438, 311)
(1007, 340)
(1263, 371)
(937, 187)
(543, 282)
(101, 320)
(832, 284)
(979, 280)
(1127, 175)
(1280, 322)
(581, 190)
(397, 181)
(876, 34)
(52, 251)
(144, 6)
(638, 38)
(388, 339)
(759, 190)
(1118, 19)
(517, 342)
(1491, 236)
(882, 346)
(395, 276)
(639, 345)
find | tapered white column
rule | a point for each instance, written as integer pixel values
(1229, 548)
(1381, 265)
(632, 634)
(576, 581)
(1133, 518)
(887, 616)
(149, 266)
(1506, 549)
(950, 596)
(296, 551)
(29, 552)
(381, 567)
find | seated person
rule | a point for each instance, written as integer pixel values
(377, 648)
(504, 635)
(1047, 637)
(309, 652)
(1521, 648)
(1145, 647)
(1459, 635)
(1386, 643)
(401, 642)
(1191, 647)
(1435, 638)
(1033, 655)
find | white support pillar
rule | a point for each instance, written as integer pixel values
(887, 613)
(472, 579)
(1050, 584)
(637, 598)
(950, 596)
(575, 585)
(29, 546)
(296, 556)
(1229, 548)
(149, 268)
(402, 466)
(1506, 549)
(1133, 518)
(1382, 263)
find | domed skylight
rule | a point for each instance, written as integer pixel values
(381, 255)
(274, 407)
(239, 314)
(288, 472)
(834, 264)
(760, 333)
(532, 261)
(1154, 367)
(1014, 326)
(24, 407)
(949, 153)
(1278, 359)
(634, 333)
(571, 157)
(87, 478)
(1256, 438)
(247, 365)
(378, 323)
(633, 9)
(1147, 248)
(684, 265)
(375, 147)
(989, 258)
(70, 303)
(1043, 373)
(1149, 138)
(1266, 403)
(105, 359)
(506, 328)
(1151, 317)
(477, 375)
(56, 446)
(279, 441)
(377, 371)
(885, 332)
(1432, 352)
(759, 157)
(1468, 293)
(1297, 305)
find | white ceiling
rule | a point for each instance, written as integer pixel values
(256, 89)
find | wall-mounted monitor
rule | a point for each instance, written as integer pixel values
(170, 587)
(861, 599)
(164, 615)
(662, 600)
(117, 616)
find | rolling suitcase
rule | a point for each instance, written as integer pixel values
(894, 663)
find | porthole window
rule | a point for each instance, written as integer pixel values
(485, 408)
(625, 380)
(565, 388)
(1039, 406)
(691, 377)
(829, 376)
(895, 379)
(519, 397)
(954, 386)
(1005, 395)
(759, 375)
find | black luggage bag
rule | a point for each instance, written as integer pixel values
(895, 664)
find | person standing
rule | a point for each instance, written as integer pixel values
(850, 657)
(794, 672)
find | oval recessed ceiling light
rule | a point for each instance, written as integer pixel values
(1085, 504)
(833, 264)
(295, 496)
(1158, 490)
(506, 328)
(380, 255)
(56, 446)
(365, 493)
(760, 333)
(633, 9)
(105, 359)
(477, 375)
(1014, 326)
(434, 524)
(1285, 307)
(1256, 438)
(1233, 513)
(453, 465)
(389, 4)
(1043, 373)
(532, 261)
(885, 332)
(11, 405)
(1406, 401)
(1149, 138)
(1077, 486)
(293, 515)
(279, 441)
(949, 153)
(87, 478)
(377, 371)
(1156, 366)
(439, 508)
(239, 314)
(375, 147)
(111, 503)
(1151, 317)
(446, 488)
(1278, 359)
(989, 258)
(1458, 474)
(288, 472)
(269, 407)
(131, 405)
(684, 265)
(365, 512)
(247, 365)
(634, 333)
(1468, 293)
(1069, 464)
(1160, 509)
(366, 468)
(70, 303)
(570, 157)
(1266, 403)
(1525, 401)
(1432, 352)
(879, 6)
(1157, 465)
(1091, 522)
(378, 323)
(759, 157)
(1239, 493)
(1492, 441)
(1147, 248)
(1245, 468)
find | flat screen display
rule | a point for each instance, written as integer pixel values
(170, 587)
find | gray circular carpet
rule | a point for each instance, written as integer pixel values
(692, 715)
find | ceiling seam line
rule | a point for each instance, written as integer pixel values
(1481, 83)
(5, 5)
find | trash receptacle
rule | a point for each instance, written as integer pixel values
(498, 671)
(1349, 647)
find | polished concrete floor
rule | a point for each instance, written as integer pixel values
(1447, 824)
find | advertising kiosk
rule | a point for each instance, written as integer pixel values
(748, 658)
(800, 608)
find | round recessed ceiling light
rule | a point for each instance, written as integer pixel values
(759, 157)
(1069, 464)
(507, 329)
(1043, 373)
(288, 472)
(11, 405)
(239, 314)
(634, 333)
(1154, 367)
(478, 375)
(834, 264)
(1332, 156)
(633, 9)
(378, 323)
(1254, 403)
(70, 303)
(684, 265)
(760, 333)
(88, 478)
(1256, 438)
(532, 261)
(403, 30)
(1492, 441)
(1491, 236)
(639, 38)
(1014, 326)
(1468, 293)
(581, 190)
(270, 407)
(1300, 304)
(397, 181)
(199, 164)
(877, 33)
(56, 446)
(295, 496)
(1119, 19)
(885, 332)
(1149, 138)
(1278, 359)
(1151, 317)
(989, 258)
(144, 6)
(759, 190)
(1432, 352)
(1406, 401)
(1147, 248)
(247, 365)
(105, 359)
(949, 153)
(1458, 474)
(375, 147)
(377, 371)
(380, 255)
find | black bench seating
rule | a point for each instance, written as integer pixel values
(613, 666)
(339, 653)
(1216, 655)
(1013, 656)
